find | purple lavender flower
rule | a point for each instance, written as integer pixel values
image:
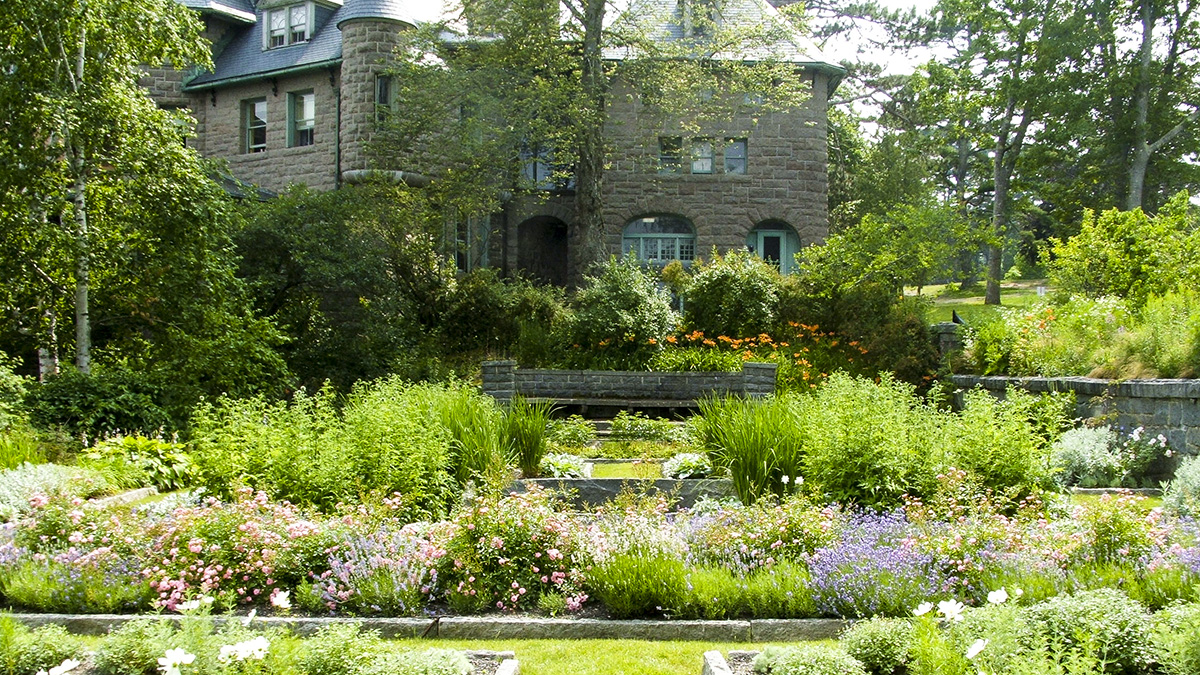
(874, 569)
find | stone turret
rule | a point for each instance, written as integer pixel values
(371, 30)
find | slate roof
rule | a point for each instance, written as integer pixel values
(396, 10)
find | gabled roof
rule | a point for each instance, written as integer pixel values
(245, 59)
(664, 20)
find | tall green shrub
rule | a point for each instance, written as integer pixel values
(310, 453)
(871, 442)
(735, 295)
(621, 318)
(1129, 254)
(760, 442)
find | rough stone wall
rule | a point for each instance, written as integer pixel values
(220, 132)
(165, 85)
(786, 178)
(366, 49)
(1167, 407)
(502, 380)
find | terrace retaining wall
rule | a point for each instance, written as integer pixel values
(1167, 407)
(502, 380)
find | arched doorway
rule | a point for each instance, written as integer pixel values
(542, 249)
(776, 242)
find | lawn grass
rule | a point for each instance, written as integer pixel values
(968, 303)
(633, 469)
(597, 657)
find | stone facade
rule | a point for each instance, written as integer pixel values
(1167, 407)
(220, 131)
(785, 182)
(502, 380)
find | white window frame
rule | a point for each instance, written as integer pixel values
(301, 124)
(252, 123)
(282, 26)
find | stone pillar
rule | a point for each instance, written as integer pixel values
(758, 379)
(946, 337)
(500, 380)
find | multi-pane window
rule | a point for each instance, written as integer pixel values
(278, 28)
(287, 26)
(298, 24)
(302, 115)
(254, 125)
(702, 155)
(383, 97)
(670, 154)
(735, 155)
(660, 239)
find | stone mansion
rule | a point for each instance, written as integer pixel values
(293, 96)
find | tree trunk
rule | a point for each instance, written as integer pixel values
(589, 177)
(83, 323)
(1140, 160)
(48, 355)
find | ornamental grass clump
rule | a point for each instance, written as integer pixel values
(758, 442)
(525, 425)
(874, 569)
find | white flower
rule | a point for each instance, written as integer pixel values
(923, 609)
(1017, 592)
(249, 617)
(951, 609)
(62, 668)
(173, 658)
(255, 649)
(998, 596)
(975, 648)
(785, 480)
(189, 606)
(281, 599)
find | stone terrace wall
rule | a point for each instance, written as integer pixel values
(1167, 407)
(502, 380)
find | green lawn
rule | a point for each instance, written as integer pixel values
(969, 303)
(597, 657)
(627, 470)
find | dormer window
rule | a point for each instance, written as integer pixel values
(287, 25)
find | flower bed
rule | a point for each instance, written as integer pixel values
(632, 558)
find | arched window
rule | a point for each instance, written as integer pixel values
(776, 242)
(660, 239)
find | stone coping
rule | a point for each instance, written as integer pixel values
(1088, 386)
(500, 627)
